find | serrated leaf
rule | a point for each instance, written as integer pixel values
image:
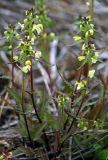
(35, 133)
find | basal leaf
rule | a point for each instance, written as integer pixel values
(26, 150)
(35, 133)
(14, 95)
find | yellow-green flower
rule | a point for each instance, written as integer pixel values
(2, 157)
(26, 68)
(77, 38)
(86, 34)
(92, 25)
(88, 17)
(28, 62)
(91, 73)
(81, 84)
(38, 28)
(38, 54)
(21, 26)
(52, 35)
(91, 31)
(95, 57)
(15, 58)
(83, 47)
(25, 21)
(81, 58)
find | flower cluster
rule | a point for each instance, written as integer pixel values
(29, 31)
(81, 84)
(11, 35)
(89, 55)
(27, 66)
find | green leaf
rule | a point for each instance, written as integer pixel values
(22, 129)
(35, 133)
(102, 155)
(97, 146)
(68, 87)
(26, 150)
(14, 95)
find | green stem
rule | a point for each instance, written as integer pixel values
(92, 8)
(24, 115)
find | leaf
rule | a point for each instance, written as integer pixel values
(97, 146)
(65, 136)
(102, 155)
(14, 95)
(26, 150)
(68, 87)
(22, 129)
(35, 133)
(95, 112)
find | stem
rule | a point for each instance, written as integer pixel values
(24, 115)
(32, 94)
(75, 90)
(12, 68)
(73, 97)
(92, 8)
(77, 112)
(69, 130)
(35, 108)
(83, 98)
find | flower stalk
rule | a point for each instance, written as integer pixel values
(92, 8)
(24, 114)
